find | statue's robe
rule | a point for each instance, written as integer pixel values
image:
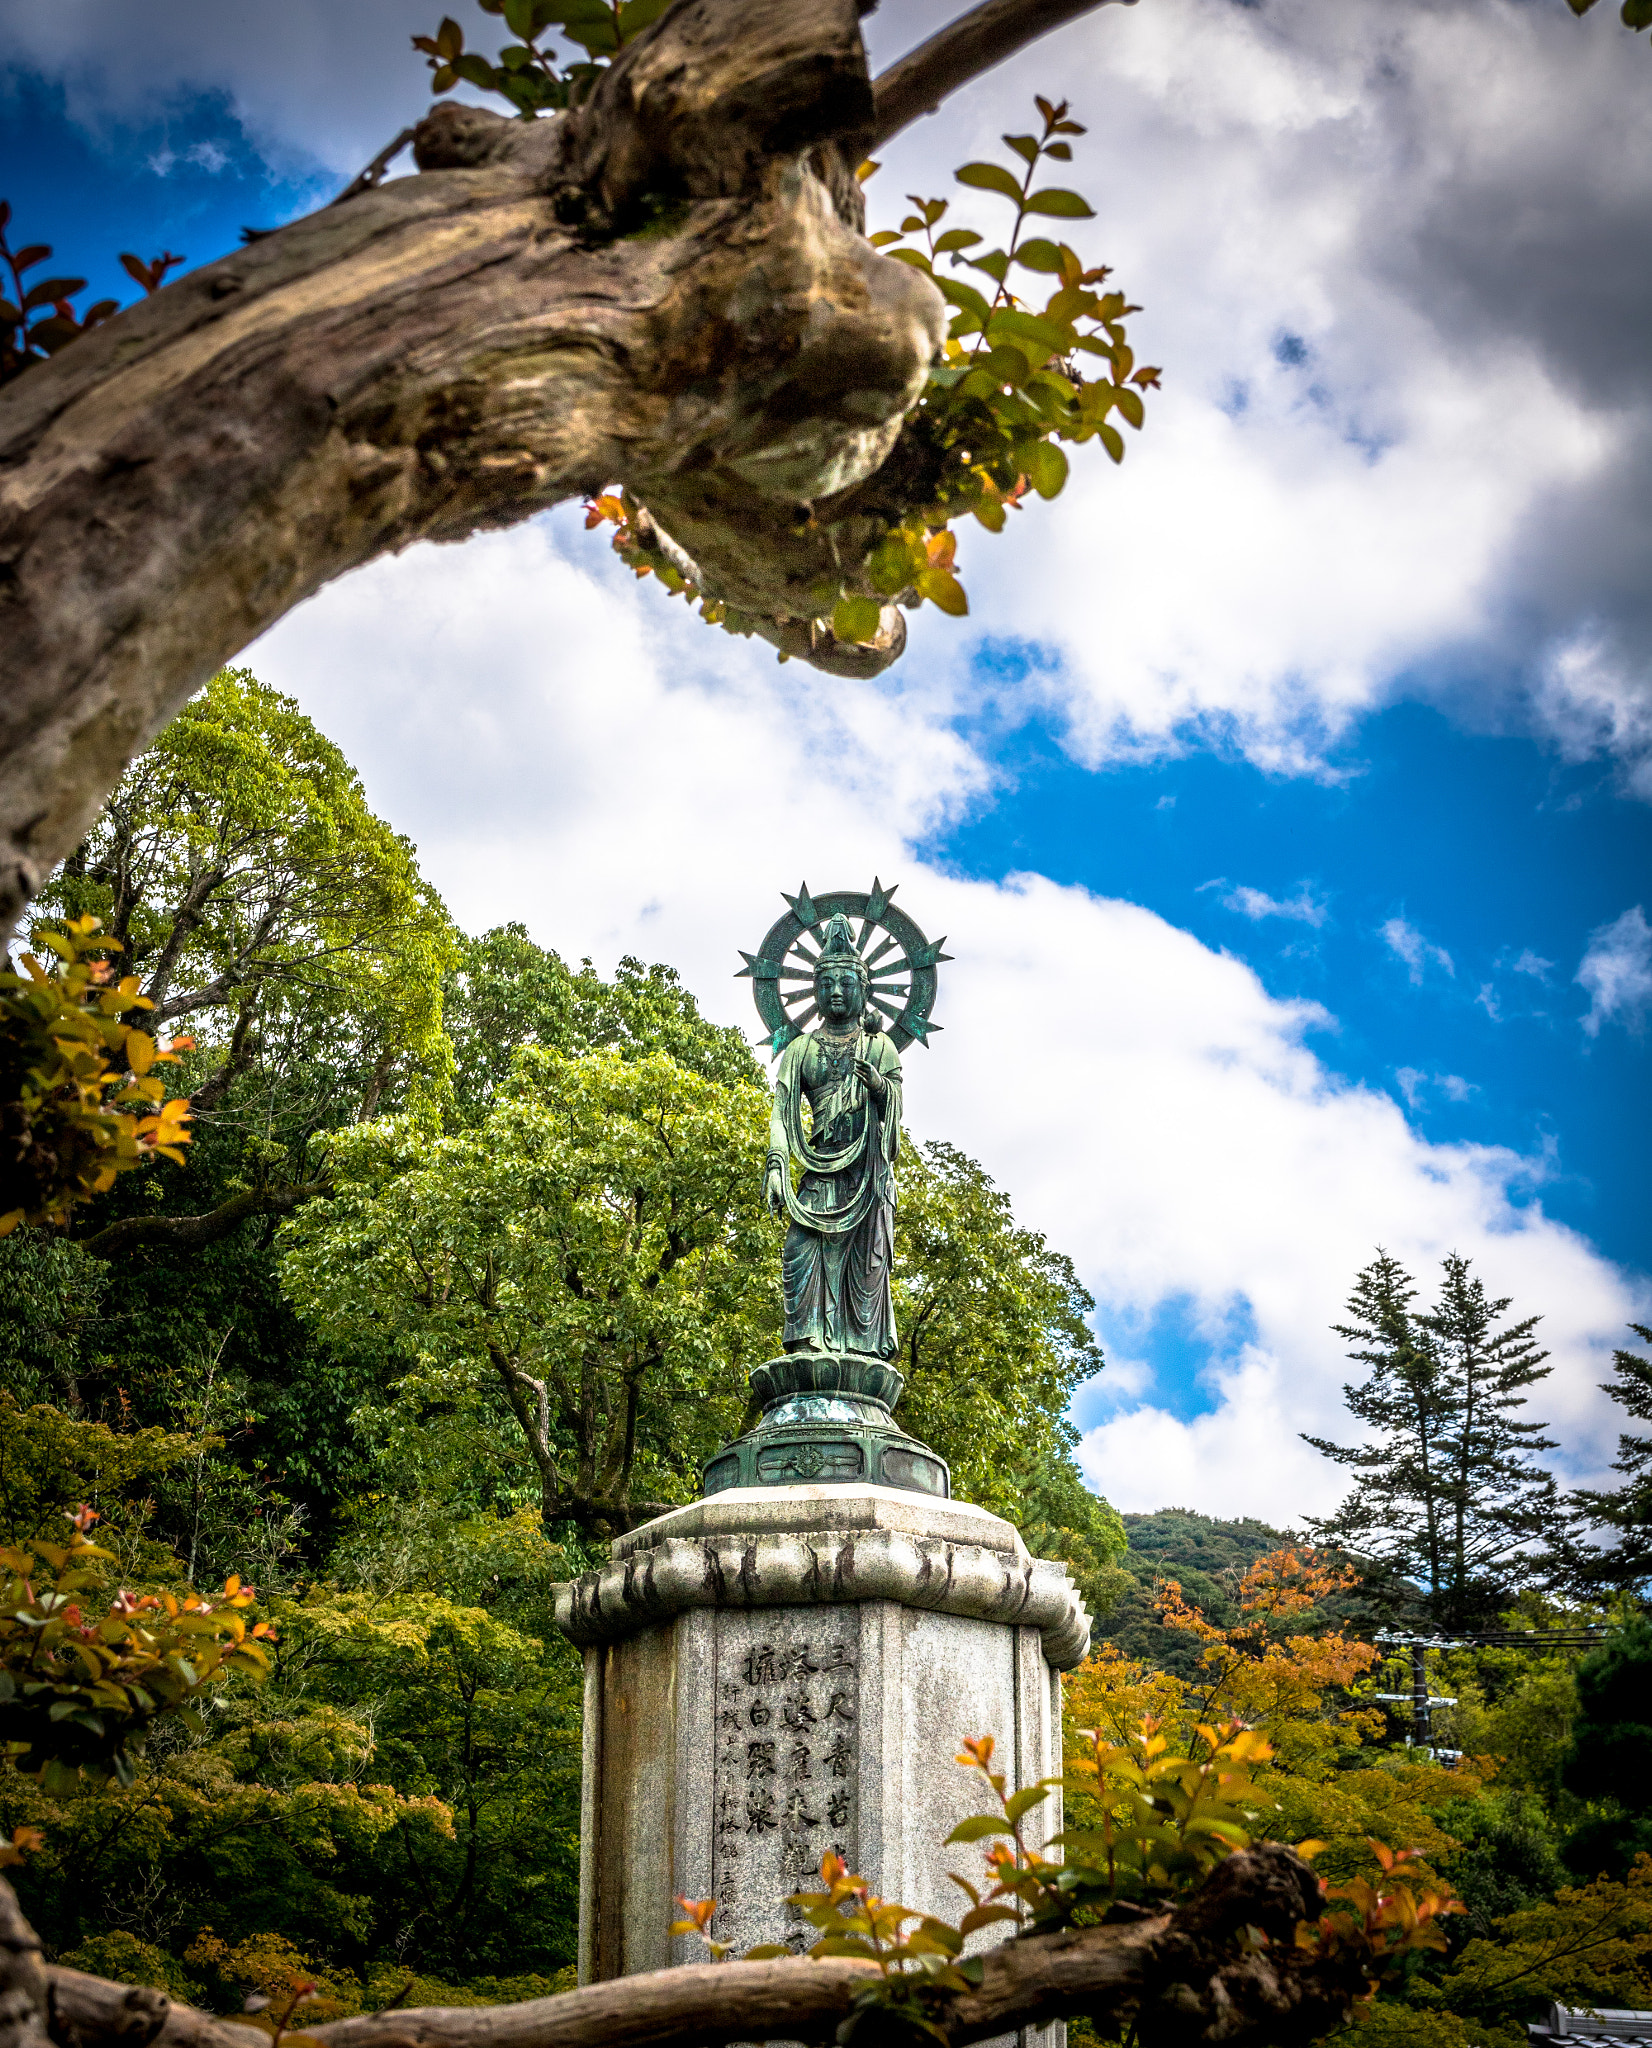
(841, 1240)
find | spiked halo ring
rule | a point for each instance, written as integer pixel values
(900, 967)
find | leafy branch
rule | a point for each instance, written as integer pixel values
(36, 320)
(535, 79)
(1013, 382)
(79, 1100)
(77, 1685)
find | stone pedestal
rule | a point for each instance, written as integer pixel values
(780, 1670)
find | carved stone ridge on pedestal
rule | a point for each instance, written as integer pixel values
(826, 1546)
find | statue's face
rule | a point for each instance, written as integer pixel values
(839, 994)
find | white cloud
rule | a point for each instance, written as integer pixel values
(1412, 1081)
(1302, 908)
(565, 748)
(1330, 216)
(1409, 945)
(316, 88)
(1617, 972)
(1455, 1088)
(1533, 964)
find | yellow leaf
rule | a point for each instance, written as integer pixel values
(942, 588)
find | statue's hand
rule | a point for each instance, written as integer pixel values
(774, 1191)
(874, 1082)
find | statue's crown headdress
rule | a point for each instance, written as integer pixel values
(837, 945)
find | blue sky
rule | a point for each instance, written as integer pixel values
(1279, 785)
(1490, 849)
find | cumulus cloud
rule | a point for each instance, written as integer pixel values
(1408, 944)
(1616, 971)
(315, 88)
(623, 786)
(1302, 908)
(1329, 505)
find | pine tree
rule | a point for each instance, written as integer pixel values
(1395, 1513)
(1627, 1566)
(1448, 1490)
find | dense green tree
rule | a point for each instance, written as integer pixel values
(1627, 1509)
(248, 885)
(1447, 1487)
(595, 1257)
(508, 991)
(1610, 1761)
(991, 1325)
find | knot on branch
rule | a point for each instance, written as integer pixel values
(721, 89)
(1202, 1993)
(1269, 1887)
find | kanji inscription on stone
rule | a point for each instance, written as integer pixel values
(785, 1779)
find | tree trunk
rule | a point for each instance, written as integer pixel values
(665, 289)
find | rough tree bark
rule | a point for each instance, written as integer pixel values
(1185, 1979)
(667, 289)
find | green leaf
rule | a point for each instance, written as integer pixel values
(996, 264)
(1112, 440)
(766, 1952)
(519, 19)
(1129, 403)
(917, 259)
(984, 1916)
(957, 292)
(1637, 14)
(857, 619)
(476, 70)
(1039, 254)
(1030, 1796)
(990, 178)
(954, 238)
(1048, 337)
(978, 1827)
(1062, 204)
(1024, 146)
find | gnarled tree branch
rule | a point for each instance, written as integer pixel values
(1181, 1977)
(965, 48)
(190, 1233)
(666, 289)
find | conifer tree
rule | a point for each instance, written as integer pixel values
(1448, 1488)
(1627, 1509)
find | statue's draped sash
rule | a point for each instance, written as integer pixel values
(840, 1244)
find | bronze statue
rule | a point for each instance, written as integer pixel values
(841, 1240)
(827, 1400)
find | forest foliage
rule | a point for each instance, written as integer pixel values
(461, 1274)
(462, 1271)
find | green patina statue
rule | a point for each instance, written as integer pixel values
(837, 1115)
(841, 1239)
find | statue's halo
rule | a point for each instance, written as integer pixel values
(901, 966)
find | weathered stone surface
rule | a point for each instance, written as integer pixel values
(824, 1545)
(780, 1671)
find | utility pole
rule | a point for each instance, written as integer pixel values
(1423, 1703)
